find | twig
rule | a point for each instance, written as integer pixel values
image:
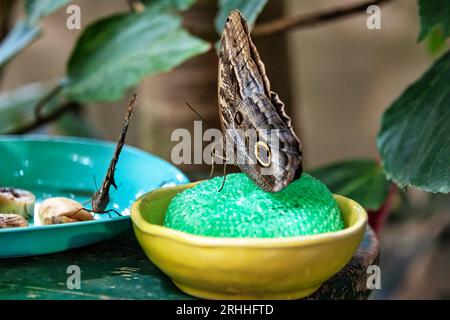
(296, 22)
(45, 100)
(44, 119)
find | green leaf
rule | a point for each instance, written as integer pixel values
(17, 107)
(436, 41)
(434, 13)
(117, 52)
(75, 125)
(178, 5)
(37, 9)
(360, 180)
(250, 9)
(414, 140)
(27, 30)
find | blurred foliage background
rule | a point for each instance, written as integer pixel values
(371, 106)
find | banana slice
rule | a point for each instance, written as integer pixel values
(62, 210)
(9, 220)
(17, 201)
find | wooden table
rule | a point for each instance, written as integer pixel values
(118, 269)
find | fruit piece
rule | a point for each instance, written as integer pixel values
(17, 201)
(242, 209)
(9, 220)
(62, 210)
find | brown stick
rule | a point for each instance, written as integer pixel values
(296, 22)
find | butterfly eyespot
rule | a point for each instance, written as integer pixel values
(263, 154)
(238, 118)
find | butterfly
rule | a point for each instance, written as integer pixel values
(252, 116)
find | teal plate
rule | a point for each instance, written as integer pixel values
(71, 167)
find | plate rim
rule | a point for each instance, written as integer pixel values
(83, 141)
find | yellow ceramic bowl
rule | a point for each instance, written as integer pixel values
(244, 268)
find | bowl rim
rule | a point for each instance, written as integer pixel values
(206, 241)
(92, 142)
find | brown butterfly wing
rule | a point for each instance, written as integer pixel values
(247, 105)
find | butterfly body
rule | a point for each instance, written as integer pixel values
(100, 199)
(249, 107)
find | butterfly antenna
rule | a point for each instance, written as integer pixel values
(95, 182)
(85, 203)
(198, 114)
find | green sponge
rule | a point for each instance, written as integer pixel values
(243, 210)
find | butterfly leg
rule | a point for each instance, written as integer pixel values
(112, 210)
(109, 212)
(224, 169)
(103, 212)
(213, 157)
(224, 176)
(212, 165)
